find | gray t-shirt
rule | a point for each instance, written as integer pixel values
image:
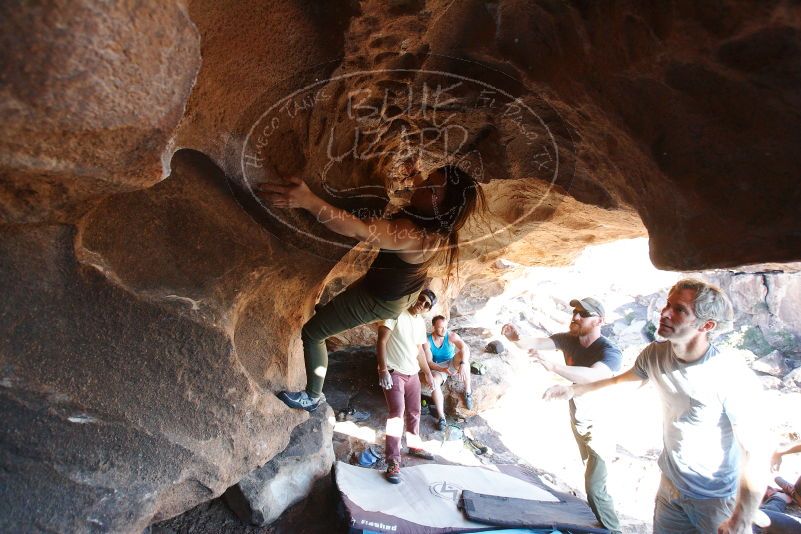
(701, 402)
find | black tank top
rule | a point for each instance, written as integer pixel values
(390, 278)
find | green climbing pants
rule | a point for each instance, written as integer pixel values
(353, 307)
(595, 474)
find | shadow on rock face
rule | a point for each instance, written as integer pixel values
(137, 366)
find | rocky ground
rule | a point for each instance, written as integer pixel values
(510, 417)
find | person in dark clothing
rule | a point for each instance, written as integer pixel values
(773, 519)
(409, 242)
(588, 356)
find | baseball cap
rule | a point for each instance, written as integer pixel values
(431, 296)
(588, 304)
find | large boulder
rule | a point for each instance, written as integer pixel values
(90, 97)
(263, 495)
(773, 364)
(137, 384)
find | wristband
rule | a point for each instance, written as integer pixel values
(384, 370)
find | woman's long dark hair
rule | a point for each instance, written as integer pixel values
(462, 196)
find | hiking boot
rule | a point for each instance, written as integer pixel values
(420, 453)
(300, 400)
(789, 489)
(393, 472)
(468, 401)
(442, 424)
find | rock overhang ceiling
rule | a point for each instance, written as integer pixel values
(685, 113)
(125, 144)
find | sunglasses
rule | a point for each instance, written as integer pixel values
(584, 313)
(426, 302)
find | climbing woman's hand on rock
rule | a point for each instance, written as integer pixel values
(294, 193)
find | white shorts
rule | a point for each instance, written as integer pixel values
(444, 375)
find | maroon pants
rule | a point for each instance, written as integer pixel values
(403, 402)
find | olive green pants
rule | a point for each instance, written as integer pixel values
(353, 307)
(595, 474)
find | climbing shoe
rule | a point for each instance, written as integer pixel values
(393, 472)
(300, 400)
(468, 401)
(478, 447)
(442, 424)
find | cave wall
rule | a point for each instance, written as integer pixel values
(151, 305)
(136, 382)
(91, 96)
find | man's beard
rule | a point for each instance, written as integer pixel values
(577, 330)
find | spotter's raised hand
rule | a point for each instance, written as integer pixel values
(510, 332)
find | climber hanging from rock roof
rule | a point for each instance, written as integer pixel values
(409, 241)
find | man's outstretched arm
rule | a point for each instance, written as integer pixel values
(538, 343)
(577, 390)
(790, 448)
(460, 345)
(423, 363)
(576, 374)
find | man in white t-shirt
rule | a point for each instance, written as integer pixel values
(400, 357)
(714, 458)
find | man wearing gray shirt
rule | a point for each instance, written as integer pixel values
(713, 462)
